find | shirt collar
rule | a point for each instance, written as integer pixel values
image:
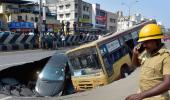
(160, 51)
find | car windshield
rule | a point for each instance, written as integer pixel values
(53, 73)
(84, 62)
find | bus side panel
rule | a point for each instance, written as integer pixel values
(118, 65)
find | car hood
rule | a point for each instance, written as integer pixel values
(49, 88)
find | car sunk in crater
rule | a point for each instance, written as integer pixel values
(52, 79)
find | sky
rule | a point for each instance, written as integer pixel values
(157, 9)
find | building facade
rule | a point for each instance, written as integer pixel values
(125, 22)
(75, 12)
(16, 15)
(112, 22)
(99, 19)
(85, 17)
(15, 11)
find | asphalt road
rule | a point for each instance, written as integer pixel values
(12, 58)
(118, 90)
(8, 59)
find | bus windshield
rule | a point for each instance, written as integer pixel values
(84, 61)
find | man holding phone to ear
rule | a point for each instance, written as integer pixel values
(154, 61)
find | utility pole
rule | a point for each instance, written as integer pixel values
(40, 25)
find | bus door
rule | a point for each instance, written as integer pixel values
(129, 43)
(129, 40)
(107, 50)
(106, 60)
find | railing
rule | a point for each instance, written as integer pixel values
(21, 41)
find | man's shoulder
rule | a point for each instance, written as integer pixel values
(165, 52)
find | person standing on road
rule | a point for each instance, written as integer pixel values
(63, 40)
(155, 65)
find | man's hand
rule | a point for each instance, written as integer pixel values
(134, 97)
(135, 50)
(135, 60)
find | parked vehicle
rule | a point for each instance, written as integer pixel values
(55, 77)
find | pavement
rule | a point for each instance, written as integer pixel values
(117, 90)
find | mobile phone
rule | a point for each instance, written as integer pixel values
(140, 47)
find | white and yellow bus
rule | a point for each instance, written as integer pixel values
(105, 60)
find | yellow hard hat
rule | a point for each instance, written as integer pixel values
(150, 32)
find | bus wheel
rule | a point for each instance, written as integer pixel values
(125, 71)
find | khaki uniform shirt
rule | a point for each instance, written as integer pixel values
(153, 68)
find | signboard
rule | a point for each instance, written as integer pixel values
(113, 45)
(84, 20)
(101, 18)
(13, 25)
(86, 25)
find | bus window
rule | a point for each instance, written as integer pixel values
(127, 37)
(121, 41)
(135, 36)
(84, 62)
(76, 62)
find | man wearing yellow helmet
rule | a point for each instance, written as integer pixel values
(155, 65)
